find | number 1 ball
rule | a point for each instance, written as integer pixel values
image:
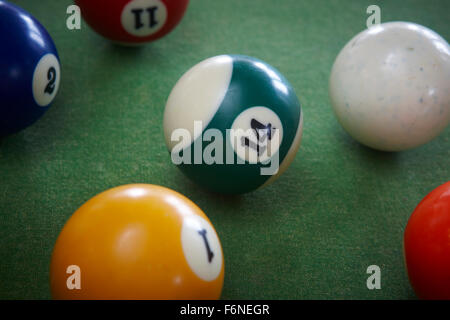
(132, 21)
(427, 245)
(137, 242)
(29, 69)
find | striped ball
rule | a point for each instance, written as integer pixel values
(233, 124)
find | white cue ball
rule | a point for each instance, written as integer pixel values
(390, 86)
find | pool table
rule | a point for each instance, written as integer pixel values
(338, 209)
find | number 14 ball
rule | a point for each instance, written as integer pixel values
(132, 21)
(233, 124)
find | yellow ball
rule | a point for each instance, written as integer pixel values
(137, 242)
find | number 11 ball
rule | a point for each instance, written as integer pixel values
(29, 69)
(390, 86)
(137, 241)
(132, 21)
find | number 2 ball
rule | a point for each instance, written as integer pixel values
(29, 69)
(132, 21)
(137, 241)
(427, 245)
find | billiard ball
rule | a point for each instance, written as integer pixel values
(137, 241)
(426, 245)
(390, 87)
(232, 124)
(29, 69)
(132, 21)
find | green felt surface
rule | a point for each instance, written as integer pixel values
(339, 208)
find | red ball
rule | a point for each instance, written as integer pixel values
(427, 245)
(132, 21)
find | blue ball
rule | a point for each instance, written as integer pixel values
(29, 69)
(233, 124)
